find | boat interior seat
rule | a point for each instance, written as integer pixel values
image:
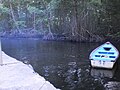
(107, 48)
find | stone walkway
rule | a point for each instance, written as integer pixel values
(15, 75)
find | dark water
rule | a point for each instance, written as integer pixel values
(64, 64)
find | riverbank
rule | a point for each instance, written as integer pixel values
(15, 75)
(57, 37)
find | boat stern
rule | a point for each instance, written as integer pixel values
(102, 64)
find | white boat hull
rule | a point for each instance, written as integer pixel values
(102, 64)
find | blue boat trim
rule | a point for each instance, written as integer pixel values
(112, 57)
(106, 52)
(110, 52)
(97, 55)
(102, 52)
(113, 60)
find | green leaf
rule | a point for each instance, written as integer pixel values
(21, 24)
(33, 9)
(98, 2)
(3, 9)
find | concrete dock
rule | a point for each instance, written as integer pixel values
(15, 75)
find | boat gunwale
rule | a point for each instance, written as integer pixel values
(103, 45)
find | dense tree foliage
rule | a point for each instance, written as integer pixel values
(77, 20)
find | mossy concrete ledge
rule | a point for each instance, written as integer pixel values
(15, 75)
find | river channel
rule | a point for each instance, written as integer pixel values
(64, 64)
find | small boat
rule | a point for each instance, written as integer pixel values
(104, 56)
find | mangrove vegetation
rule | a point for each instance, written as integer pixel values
(75, 20)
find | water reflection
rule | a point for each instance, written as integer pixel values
(95, 72)
(64, 64)
(72, 75)
(112, 85)
(106, 78)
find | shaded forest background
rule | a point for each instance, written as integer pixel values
(75, 20)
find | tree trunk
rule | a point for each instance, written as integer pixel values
(75, 16)
(18, 10)
(50, 34)
(13, 17)
(34, 19)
